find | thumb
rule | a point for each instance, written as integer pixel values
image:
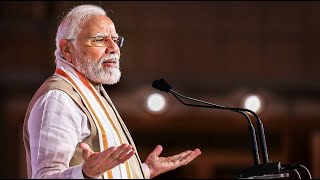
(157, 151)
(86, 150)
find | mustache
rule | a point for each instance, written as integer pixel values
(110, 57)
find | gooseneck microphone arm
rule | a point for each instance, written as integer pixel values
(264, 170)
(252, 134)
(162, 85)
(261, 136)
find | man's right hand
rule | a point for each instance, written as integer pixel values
(97, 163)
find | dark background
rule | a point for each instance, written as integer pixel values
(215, 51)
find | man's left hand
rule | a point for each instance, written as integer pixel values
(158, 165)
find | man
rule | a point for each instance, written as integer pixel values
(71, 127)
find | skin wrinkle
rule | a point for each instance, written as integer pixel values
(86, 64)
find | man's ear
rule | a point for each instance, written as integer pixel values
(65, 47)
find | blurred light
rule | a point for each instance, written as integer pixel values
(253, 103)
(156, 102)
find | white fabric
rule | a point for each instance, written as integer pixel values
(146, 170)
(113, 140)
(56, 125)
(59, 107)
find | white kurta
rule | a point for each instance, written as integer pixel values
(56, 125)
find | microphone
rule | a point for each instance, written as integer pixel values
(162, 85)
(264, 170)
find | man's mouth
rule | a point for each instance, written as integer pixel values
(110, 63)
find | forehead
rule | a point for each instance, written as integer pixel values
(98, 24)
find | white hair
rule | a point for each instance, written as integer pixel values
(72, 23)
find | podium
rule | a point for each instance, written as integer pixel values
(271, 170)
(268, 176)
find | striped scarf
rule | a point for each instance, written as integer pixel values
(107, 131)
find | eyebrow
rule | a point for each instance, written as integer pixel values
(103, 34)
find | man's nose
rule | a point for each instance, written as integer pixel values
(112, 48)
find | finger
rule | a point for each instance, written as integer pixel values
(120, 155)
(121, 149)
(126, 157)
(157, 151)
(190, 157)
(179, 156)
(107, 153)
(197, 151)
(187, 153)
(86, 150)
(125, 151)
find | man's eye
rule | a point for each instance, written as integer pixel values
(98, 39)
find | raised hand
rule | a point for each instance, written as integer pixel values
(97, 163)
(158, 165)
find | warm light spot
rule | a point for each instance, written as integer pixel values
(253, 103)
(156, 102)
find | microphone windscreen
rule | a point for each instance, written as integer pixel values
(161, 85)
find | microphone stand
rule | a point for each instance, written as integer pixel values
(252, 135)
(266, 170)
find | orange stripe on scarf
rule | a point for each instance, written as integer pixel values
(103, 133)
(87, 84)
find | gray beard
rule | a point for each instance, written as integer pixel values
(96, 72)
